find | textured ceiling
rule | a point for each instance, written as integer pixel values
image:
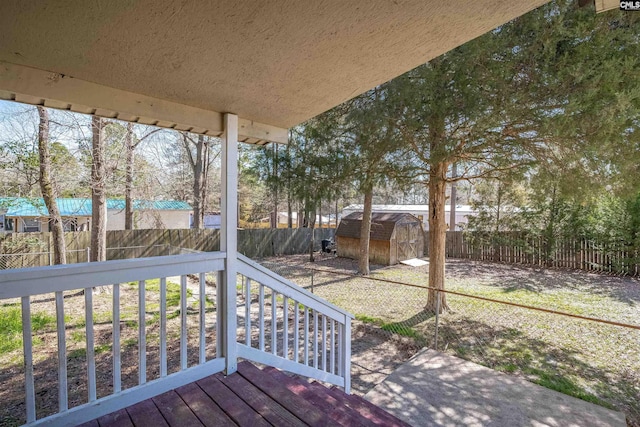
(276, 62)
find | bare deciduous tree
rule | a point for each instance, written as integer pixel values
(98, 192)
(48, 191)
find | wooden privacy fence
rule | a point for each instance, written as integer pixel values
(35, 249)
(526, 249)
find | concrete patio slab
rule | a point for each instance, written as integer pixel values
(435, 389)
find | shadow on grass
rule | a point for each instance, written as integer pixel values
(512, 278)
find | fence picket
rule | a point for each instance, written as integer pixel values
(519, 248)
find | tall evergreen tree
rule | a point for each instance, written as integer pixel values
(555, 82)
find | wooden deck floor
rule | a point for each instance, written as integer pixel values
(250, 397)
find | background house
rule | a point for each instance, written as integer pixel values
(463, 212)
(212, 220)
(284, 216)
(31, 215)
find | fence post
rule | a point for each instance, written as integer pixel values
(435, 339)
(88, 254)
(50, 258)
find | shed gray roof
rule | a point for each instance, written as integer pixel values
(382, 224)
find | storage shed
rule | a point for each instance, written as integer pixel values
(395, 237)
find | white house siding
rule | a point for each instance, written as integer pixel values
(164, 219)
(115, 219)
(177, 219)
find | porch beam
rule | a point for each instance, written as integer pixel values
(229, 240)
(54, 90)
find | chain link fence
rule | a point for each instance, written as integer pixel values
(591, 359)
(40, 259)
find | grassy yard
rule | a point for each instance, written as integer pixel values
(595, 362)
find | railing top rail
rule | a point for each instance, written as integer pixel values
(294, 288)
(38, 280)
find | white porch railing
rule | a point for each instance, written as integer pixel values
(27, 283)
(290, 328)
(279, 324)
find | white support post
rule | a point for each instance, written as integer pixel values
(228, 239)
(346, 362)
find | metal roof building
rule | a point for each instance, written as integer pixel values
(30, 214)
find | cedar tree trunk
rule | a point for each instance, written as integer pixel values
(437, 236)
(365, 233)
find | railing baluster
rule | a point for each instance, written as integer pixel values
(261, 317)
(274, 322)
(332, 351)
(315, 339)
(285, 327)
(219, 313)
(63, 404)
(305, 349)
(247, 312)
(296, 332)
(203, 300)
(163, 327)
(115, 325)
(27, 344)
(142, 336)
(183, 322)
(340, 349)
(91, 357)
(324, 343)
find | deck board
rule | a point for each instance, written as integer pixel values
(116, 419)
(250, 397)
(146, 412)
(203, 406)
(297, 405)
(230, 403)
(271, 410)
(175, 411)
(325, 401)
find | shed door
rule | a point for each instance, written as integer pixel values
(407, 240)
